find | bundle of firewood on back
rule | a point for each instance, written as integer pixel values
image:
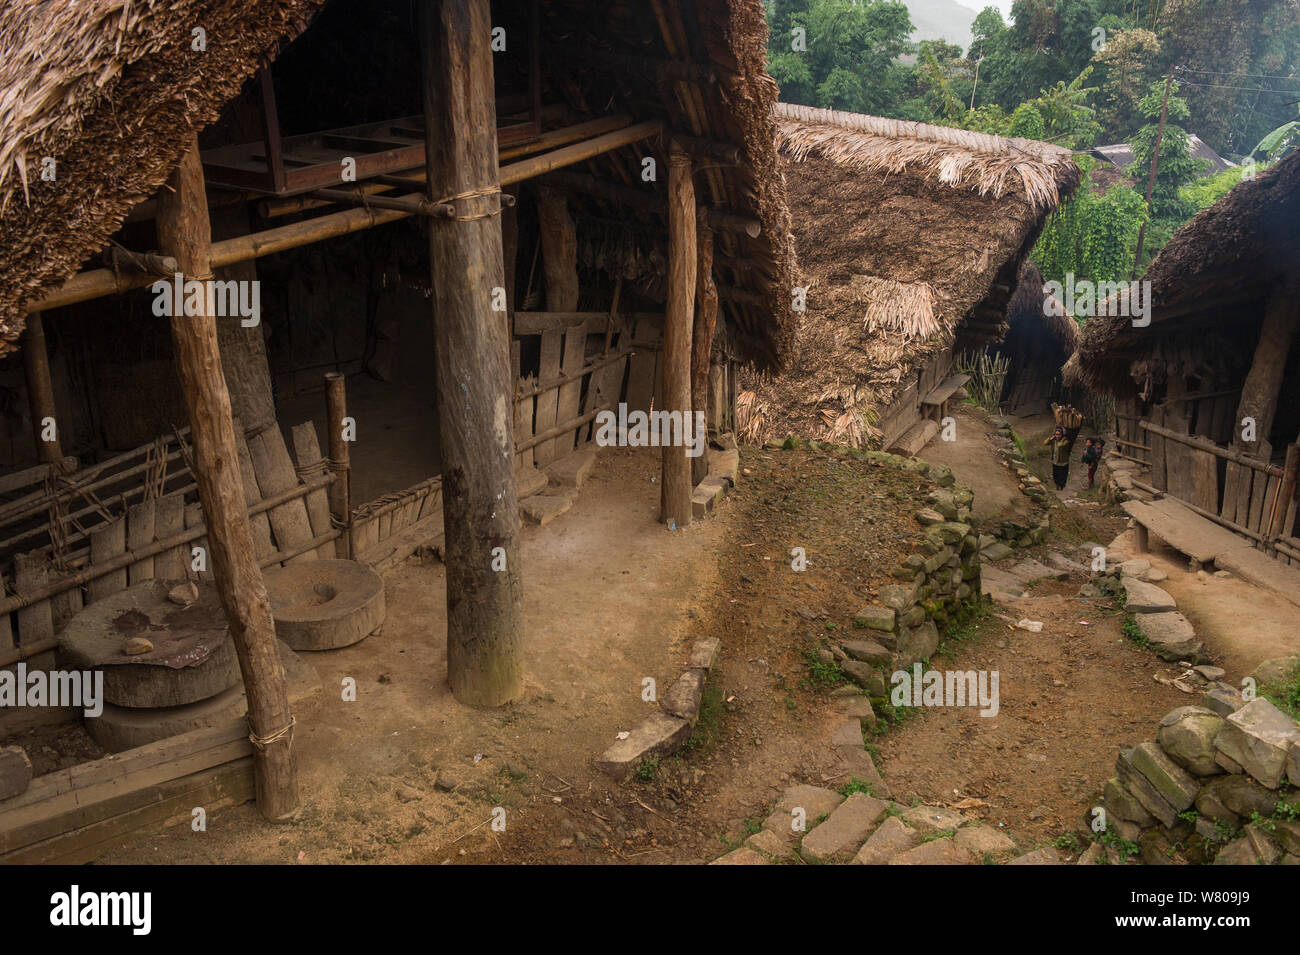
(1067, 416)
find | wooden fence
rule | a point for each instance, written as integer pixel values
(1254, 498)
(136, 517)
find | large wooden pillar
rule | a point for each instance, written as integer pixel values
(559, 237)
(675, 500)
(706, 321)
(183, 232)
(40, 391)
(485, 660)
(1259, 392)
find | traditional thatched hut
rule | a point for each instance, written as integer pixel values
(1207, 385)
(560, 179)
(910, 239)
(1039, 341)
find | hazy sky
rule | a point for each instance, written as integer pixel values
(977, 5)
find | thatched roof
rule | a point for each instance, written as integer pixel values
(112, 89)
(909, 237)
(1208, 287)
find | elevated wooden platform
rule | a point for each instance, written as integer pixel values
(1204, 540)
(941, 394)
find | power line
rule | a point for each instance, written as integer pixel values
(1221, 86)
(1258, 76)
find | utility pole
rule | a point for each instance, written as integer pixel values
(1155, 164)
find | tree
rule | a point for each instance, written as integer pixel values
(849, 57)
(1177, 165)
(1124, 67)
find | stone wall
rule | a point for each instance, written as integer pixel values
(1216, 784)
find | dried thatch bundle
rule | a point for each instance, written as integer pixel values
(989, 164)
(895, 307)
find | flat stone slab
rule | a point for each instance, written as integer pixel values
(1259, 737)
(707, 494)
(1141, 597)
(927, 819)
(995, 552)
(868, 651)
(1044, 856)
(1170, 633)
(858, 764)
(704, 652)
(572, 470)
(813, 801)
(980, 839)
(657, 734)
(890, 839)
(541, 509)
(325, 604)
(936, 852)
(529, 481)
(725, 464)
(842, 834)
(683, 697)
(742, 856)
(847, 733)
(1175, 784)
(769, 844)
(875, 618)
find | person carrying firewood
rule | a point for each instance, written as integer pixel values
(1061, 441)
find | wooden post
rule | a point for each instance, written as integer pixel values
(485, 660)
(1259, 392)
(1286, 493)
(675, 499)
(40, 391)
(336, 409)
(706, 320)
(183, 230)
(559, 238)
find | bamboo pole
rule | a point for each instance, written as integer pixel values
(675, 496)
(484, 590)
(27, 598)
(336, 409)
(184, 232)
(1201, 444)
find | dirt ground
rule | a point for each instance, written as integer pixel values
(405, 774)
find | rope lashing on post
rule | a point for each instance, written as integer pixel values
(262, 742)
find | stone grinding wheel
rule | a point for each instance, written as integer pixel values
(325, 604)
(119, 728)
(193, 656)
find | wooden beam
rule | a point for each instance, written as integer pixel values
(485, 626)
(535, 166)
(535, 323)
(40, 392)
(675, 500)
(184, 232)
